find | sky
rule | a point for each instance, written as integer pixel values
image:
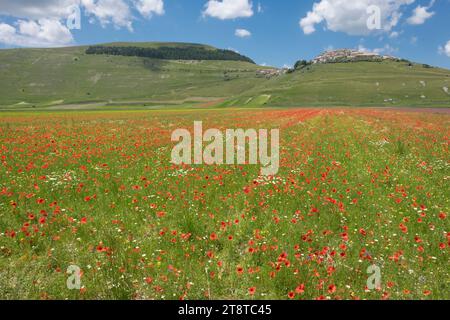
(271, 32)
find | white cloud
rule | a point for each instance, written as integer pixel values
(242, 33)
(445, 49)
(228, 9)
(387, 49)
(42, 23)
(41, 33)
(394, 34)
(34, 10)
(149, 7)
(116, 12)
(351, 16)
(420, 15)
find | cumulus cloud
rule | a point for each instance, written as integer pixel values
(242, 33)
(149, 7)
(41, 33)
(351, 17)
(45, 20)
(116, 12)
(228, 9)
(31, 9)
(420, 15)
(445, 49)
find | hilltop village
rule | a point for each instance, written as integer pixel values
(349, 55)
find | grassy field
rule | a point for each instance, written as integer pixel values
(67, 78)
(356, 187)
(43, 78)
(360, 84)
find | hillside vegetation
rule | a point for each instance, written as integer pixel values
(154, 75)
(170, 53)
(387, 83)
(50, 77)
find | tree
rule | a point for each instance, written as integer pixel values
(301, 64)
(170, 53)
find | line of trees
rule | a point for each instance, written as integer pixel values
(301, 64)
(170, 53)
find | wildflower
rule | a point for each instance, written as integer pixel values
(300, 289)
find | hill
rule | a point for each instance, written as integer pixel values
(63, 78)
(46, 77)
(360, 83)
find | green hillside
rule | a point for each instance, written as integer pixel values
(68, 77)
(387, 83)
(61, 76)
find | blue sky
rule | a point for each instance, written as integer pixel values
(272, 32)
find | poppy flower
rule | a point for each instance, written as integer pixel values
(331, 288)
(300, 289)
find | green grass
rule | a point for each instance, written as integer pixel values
(357, 84)
(49, 78)
(45, 77)
(350, 181)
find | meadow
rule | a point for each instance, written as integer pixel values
(356, 188)
(68, 78)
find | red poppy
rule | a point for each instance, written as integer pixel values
(300, 289)
(331, 288)
(213, 236)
